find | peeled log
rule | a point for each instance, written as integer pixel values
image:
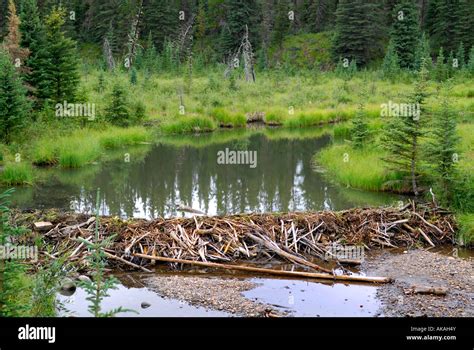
(325, 276)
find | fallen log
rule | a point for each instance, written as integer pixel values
(325, 276)
(274, 248)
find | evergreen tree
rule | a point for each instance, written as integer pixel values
(470, 65)
(423, 53)
(442, 147)
(133, 76)
(118, 112)
(450, 65)
(238, 14)
(56, 67)
(201, 24)
(319, 14)
(161, 20)
(405, 32)
(12, 41)
(14, 106)
(461, 56)
(30, 24)
(390, 66)
(101, 82)
(358, 31)
(38, 46)
(449, 23)
(101, 14)
(441, 70)
(282, 22)
(465, 25)
(149, 55)
(403, 132)
(360, 128)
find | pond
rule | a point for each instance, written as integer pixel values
(149, 181)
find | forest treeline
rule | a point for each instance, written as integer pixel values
(213, 29)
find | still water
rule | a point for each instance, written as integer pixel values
(148, 181)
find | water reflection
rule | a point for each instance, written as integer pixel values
(185, 170)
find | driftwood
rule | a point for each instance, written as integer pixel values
(427, 290)
(325, 276)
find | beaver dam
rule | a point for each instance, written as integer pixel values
(241, 242)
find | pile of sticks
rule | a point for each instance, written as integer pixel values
(299, 238)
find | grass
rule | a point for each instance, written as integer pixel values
(192, 124)
(466, 228)
(228, 119)
(316, 97)
(15, 174)
(275, 117)
(363, 169)
(118, 137)
(78, 152)
(45, 152)
(83, 146)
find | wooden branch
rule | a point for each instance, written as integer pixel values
(273, 247)
(127, 262)
(325, 276)
(426, 237)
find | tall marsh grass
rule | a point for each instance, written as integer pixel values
(20, 173)
(189, 124)
(363, 169)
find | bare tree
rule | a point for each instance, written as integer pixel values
(133, 37)
(246, 52)
(107, 50)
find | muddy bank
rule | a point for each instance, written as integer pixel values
(421, 270)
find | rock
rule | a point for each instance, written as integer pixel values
(43, 226)
(67, 287)
(145, 305)
(84, 278)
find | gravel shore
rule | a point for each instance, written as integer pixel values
(223, 294)
(423, 268)
(413, 268)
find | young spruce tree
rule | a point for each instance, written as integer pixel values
(405, 32)
(360, 130)
(56, 72)
(14, 105)
(402, 134)
(118, 112)
(441, 149)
